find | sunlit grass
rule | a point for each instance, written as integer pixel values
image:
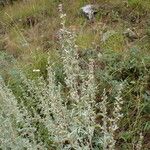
(21, 10)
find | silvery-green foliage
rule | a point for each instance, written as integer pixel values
(15, 123)
(139, 143)
(110, 124)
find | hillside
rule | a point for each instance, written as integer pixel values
(117, 41)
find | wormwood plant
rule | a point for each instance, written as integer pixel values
(69, 117)
(16, 131)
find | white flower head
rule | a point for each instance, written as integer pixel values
(36, 70)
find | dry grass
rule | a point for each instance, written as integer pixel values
(118, 58)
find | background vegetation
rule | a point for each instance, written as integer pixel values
(29, 35)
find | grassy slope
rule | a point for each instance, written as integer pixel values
(29, 32)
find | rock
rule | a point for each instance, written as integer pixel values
(131, 35)
(107, 35)
(89, 11)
